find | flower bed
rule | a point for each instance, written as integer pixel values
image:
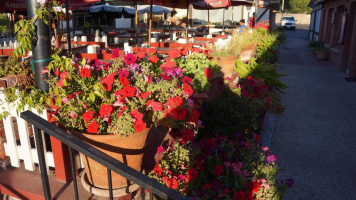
(214, 149)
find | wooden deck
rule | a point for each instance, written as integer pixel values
(23, 184)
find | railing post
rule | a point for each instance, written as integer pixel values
(42, 163)
(60, 157)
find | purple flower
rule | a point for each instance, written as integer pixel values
(169, 71)
(271, 158)
(289, 182)
(178, 71)
(134, 66)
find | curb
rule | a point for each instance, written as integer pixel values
(267, 130)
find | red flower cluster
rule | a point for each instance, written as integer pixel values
(108, 81)
(85, 73)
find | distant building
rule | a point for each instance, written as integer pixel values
(334, 23)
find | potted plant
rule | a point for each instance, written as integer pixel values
(225, 59)
(321, 52)
(113, 106)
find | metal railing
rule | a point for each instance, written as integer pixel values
(73, 143)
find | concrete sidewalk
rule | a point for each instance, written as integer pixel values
(315, 138)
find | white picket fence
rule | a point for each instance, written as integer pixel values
(23, 151)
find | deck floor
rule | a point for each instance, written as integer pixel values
(23, 184)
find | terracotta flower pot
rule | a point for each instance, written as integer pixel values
(320, 55)
(128, 150)
(247, 53)
(227, 64)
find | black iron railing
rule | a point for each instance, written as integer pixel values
(112, 164)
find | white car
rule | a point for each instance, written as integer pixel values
(288, 22)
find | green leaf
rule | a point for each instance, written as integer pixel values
(59, 101)
(84, 62)
(64, 82)
(56, 91)
(92, 97)
(98, 94)
(39, 13)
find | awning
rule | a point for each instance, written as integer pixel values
(13, 6)
(210, 4)
(241, 2)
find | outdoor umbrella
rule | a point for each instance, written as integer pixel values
(211, 4)
(116, 11)
(156, 10)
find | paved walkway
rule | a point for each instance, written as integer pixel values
(315, 139)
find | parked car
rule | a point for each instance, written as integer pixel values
(288, 22)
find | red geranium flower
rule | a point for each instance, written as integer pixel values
(173, 103)
(254, 186)
(173, 183)
(183, 52)
(218, 170)
(115, 53)
(151, 51)
(193, 116)
(122, 111)
(158, 170)
(186, 80)
(169, 64)
(88, 115)
(127, 91)
(188, 135)
(179, 113)
(206, 187)
(135, 49)
(124, 81)
(140, 55)
(93, 127)
(192, 174)
(105, 110)
(156, 106)
(187, 90)
(174, 53)
(139, 125)
(165, 77)
(130, 58)
(85, 73)
(108, 81)
(153, 59)
(136, 115)
(208, 72)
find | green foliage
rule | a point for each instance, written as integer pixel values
(265, 71)
(25, 29)
(299, 6)
(4, 23)
(12, 66)
(316, 43)
(228, 113)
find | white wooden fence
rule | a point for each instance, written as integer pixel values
(23, 151)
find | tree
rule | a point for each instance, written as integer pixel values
(299, 6)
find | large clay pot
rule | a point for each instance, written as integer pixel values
(227, 64)
(127, 150)
(321, 55)
(216, 81)
(247, 53)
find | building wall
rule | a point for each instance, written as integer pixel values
(341, 51)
